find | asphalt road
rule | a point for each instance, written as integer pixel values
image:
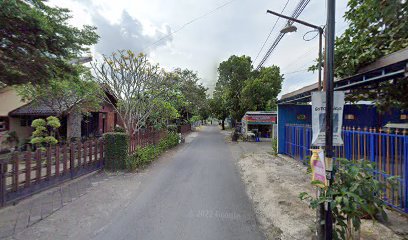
(197, 194)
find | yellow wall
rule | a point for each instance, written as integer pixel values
(22, 132)
(9, 100)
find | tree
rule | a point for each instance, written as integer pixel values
(135, 83)
(37, 43)
(260, 93)
(219, 105)
(72, 95)
(232, 75)
(45, 132)
(376, 28)
(191, 95)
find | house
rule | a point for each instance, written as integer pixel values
(17, 116)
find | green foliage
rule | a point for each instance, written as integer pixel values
(144, 156)
(376, 28)
(72, 91)
(116, 150)
(11, 138)
(240, 88)
(36, 41)
(232, 75)
(355, 193)
(260, 92)
(119, 129)
(45, 131)
(172, 128)
(194, 119)
(187, 94)
(275, 146)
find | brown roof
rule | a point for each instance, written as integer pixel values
(32, 109)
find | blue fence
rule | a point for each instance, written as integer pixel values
(388, 149)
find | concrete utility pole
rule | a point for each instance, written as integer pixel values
(329, 76)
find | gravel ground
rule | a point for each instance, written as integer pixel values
(274, 183)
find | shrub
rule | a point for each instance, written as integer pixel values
(45, 131)
(355, 193)
(172, 128)
(116, 150)
(144, 156)
(275, 146)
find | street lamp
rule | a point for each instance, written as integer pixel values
(291, 28)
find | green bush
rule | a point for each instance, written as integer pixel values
(116, 150)
(144, 156)
(172, 128)
(275, 146)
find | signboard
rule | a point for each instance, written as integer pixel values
(319, 118)
(318, 168)
(260, 119)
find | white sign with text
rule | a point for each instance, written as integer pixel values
(319, 118)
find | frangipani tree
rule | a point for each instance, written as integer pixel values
(135, 85)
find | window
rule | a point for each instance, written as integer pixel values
(349, 117)
(404, 116)
(3, 124)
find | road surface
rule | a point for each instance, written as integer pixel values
(195, 194)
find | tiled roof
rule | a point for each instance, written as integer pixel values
(32, 109)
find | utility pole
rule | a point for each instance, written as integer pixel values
(329, 76)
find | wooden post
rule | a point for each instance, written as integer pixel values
(27, 168)
(79, 147)
(16, 164)
(38, 165)
(3, 192)
(65, 159)
(72, 159)
(49, 163)
(57, 160)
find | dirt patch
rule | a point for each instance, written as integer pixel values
(274, 183)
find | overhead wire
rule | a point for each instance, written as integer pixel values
(298, 10)
(188, 23)
(270, 33)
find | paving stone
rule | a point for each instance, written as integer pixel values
(56, 200)
(6, 231)
(22, 221)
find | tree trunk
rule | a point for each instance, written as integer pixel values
(222, 124)
(74, 125)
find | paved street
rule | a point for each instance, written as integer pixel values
(193, 193)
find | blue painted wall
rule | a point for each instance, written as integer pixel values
(364, 116)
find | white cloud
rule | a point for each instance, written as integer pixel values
(239, 28)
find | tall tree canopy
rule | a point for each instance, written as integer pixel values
(232, 75)
(261, 91)
(191, 94)
(376, 28)
(240, 88)
(37, 43)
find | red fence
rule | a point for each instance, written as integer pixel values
(185, 129)
(148, 137)
(25, 173)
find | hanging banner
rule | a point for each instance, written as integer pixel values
(318, 168)
(319, 118)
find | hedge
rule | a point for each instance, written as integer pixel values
(116, 150)
(144, 156)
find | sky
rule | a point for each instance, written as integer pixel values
(198, 35)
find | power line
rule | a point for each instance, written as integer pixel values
(298, 10)
(188, 23)
(269, 35)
